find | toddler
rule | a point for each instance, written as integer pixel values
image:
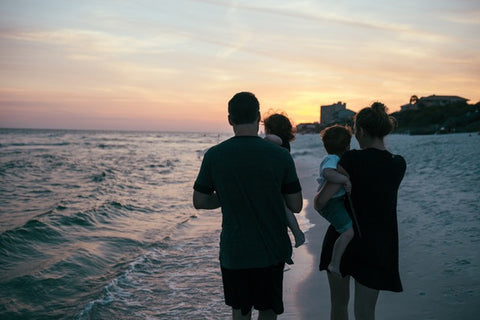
(336, 140)
(279, 130)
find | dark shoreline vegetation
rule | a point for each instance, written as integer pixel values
(451, 118)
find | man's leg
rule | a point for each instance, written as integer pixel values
(339, 296)
(268, 291)
(237, 315)
(267, 315)
(365, 302)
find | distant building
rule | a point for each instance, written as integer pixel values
(431, 101)
(441, 100)
(308, 128)
(412, 105)
(335, 113)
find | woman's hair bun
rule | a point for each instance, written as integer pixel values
(375, 120)
(379, 107)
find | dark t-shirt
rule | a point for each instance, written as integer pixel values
(372, 259)
(250, 176)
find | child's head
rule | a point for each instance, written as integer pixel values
(336, 139)
(278, 124)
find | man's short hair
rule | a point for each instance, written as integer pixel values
(243, 108)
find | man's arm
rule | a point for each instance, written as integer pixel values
(205, 201)
(294, 201)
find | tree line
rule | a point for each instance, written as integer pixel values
(450, 118)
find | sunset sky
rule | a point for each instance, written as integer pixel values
(172, 65)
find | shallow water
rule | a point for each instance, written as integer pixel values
(98, 225)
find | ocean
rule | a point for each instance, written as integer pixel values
(100, 225)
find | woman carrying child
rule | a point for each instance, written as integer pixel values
(372, 259)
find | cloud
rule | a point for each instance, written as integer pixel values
(95, 42)
(312, 14)
(468, 18)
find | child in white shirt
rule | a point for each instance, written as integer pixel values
(336, 140)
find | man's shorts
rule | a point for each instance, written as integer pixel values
(261, 288)
(335, 213)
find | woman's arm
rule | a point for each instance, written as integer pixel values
(325, 194)
(341, 170)
(333, 176)
(338, 176)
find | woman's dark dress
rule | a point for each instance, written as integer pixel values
(372, 259)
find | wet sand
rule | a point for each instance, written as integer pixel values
(306, 293)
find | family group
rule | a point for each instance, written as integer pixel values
(254, 181)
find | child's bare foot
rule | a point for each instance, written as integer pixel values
(299, 240)
(334, 270)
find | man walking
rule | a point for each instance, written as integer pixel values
(250, 179)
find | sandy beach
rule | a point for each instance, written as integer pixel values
(306, 292)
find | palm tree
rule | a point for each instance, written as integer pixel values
(413, 99)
